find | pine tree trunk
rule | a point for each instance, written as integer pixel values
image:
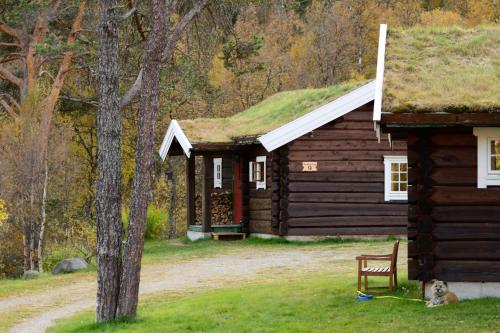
(108, 199)
(148, 108)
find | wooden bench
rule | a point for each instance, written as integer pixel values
(390, 271)
(228, 235)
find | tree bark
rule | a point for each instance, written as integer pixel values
(109, 222)
(41, 232)
(148, 109)
(30, 225)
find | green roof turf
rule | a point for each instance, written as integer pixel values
(442, 69)
(264, 117)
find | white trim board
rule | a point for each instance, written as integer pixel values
(379, 80)
(318, 117)
(485, 177)
(389, 194)
(175, 131)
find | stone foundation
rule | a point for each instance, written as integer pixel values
(195, 235)
(470, 290)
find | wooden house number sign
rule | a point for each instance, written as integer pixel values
(309, 166)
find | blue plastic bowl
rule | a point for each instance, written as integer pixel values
(365, 297)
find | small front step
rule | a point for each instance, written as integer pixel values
(228, 235)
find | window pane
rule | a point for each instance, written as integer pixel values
(260, 172)
(395, 167)
(403, 177)
(495, 163)
(403, 187)
(403, 166)
(395, 186)
(395, 176)
(495, 146)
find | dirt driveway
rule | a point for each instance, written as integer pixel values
(261, 264)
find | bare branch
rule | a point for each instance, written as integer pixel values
(8, 30)
(10, 57)
(132, 92)
(137, 22)
(9, 76)
(80, 100)
(172, 40)
(175, 35)
(10, 44)
(66, 62)
(8, 108)
(127, 14)
(12, 100)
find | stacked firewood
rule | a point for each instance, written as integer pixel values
(221, 205)
(198, 205)
(222, 208)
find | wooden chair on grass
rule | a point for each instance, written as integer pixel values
(390, 271)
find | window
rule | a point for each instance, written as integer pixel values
(251, 171)
(260, 172)
(494, 157)
(217, 172)
(488, 156)
(257, 172)
(396, 178)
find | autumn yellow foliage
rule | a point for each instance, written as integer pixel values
(441, 18)
(3, 212)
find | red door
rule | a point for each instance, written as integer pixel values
(237, 190)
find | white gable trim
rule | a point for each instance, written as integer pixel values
(318, 117)
(379, 80)
(175, 131)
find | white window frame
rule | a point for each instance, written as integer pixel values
(251, 171)
(485, 176)
(261, 184)
(389, 194)
(218, 172)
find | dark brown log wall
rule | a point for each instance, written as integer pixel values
(454, 227)
(260, 201)
(346, 195)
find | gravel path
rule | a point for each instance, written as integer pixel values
(206, 273)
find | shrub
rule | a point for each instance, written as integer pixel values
(57, 254)
(3, 212)
(11, 251)
(441, 17)
(156, 222)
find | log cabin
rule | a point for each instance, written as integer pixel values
(299, 164)
(439, 90)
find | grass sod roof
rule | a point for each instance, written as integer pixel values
(273, 112)
(442, 69)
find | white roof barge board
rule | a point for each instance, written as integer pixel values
(175, 131)
(379, 80)
(319, 117)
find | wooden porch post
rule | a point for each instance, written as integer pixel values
(206, 198)
(190, 191)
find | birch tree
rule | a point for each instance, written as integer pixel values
(28, 54)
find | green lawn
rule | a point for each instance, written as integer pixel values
(322, 302)
(155, 251)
